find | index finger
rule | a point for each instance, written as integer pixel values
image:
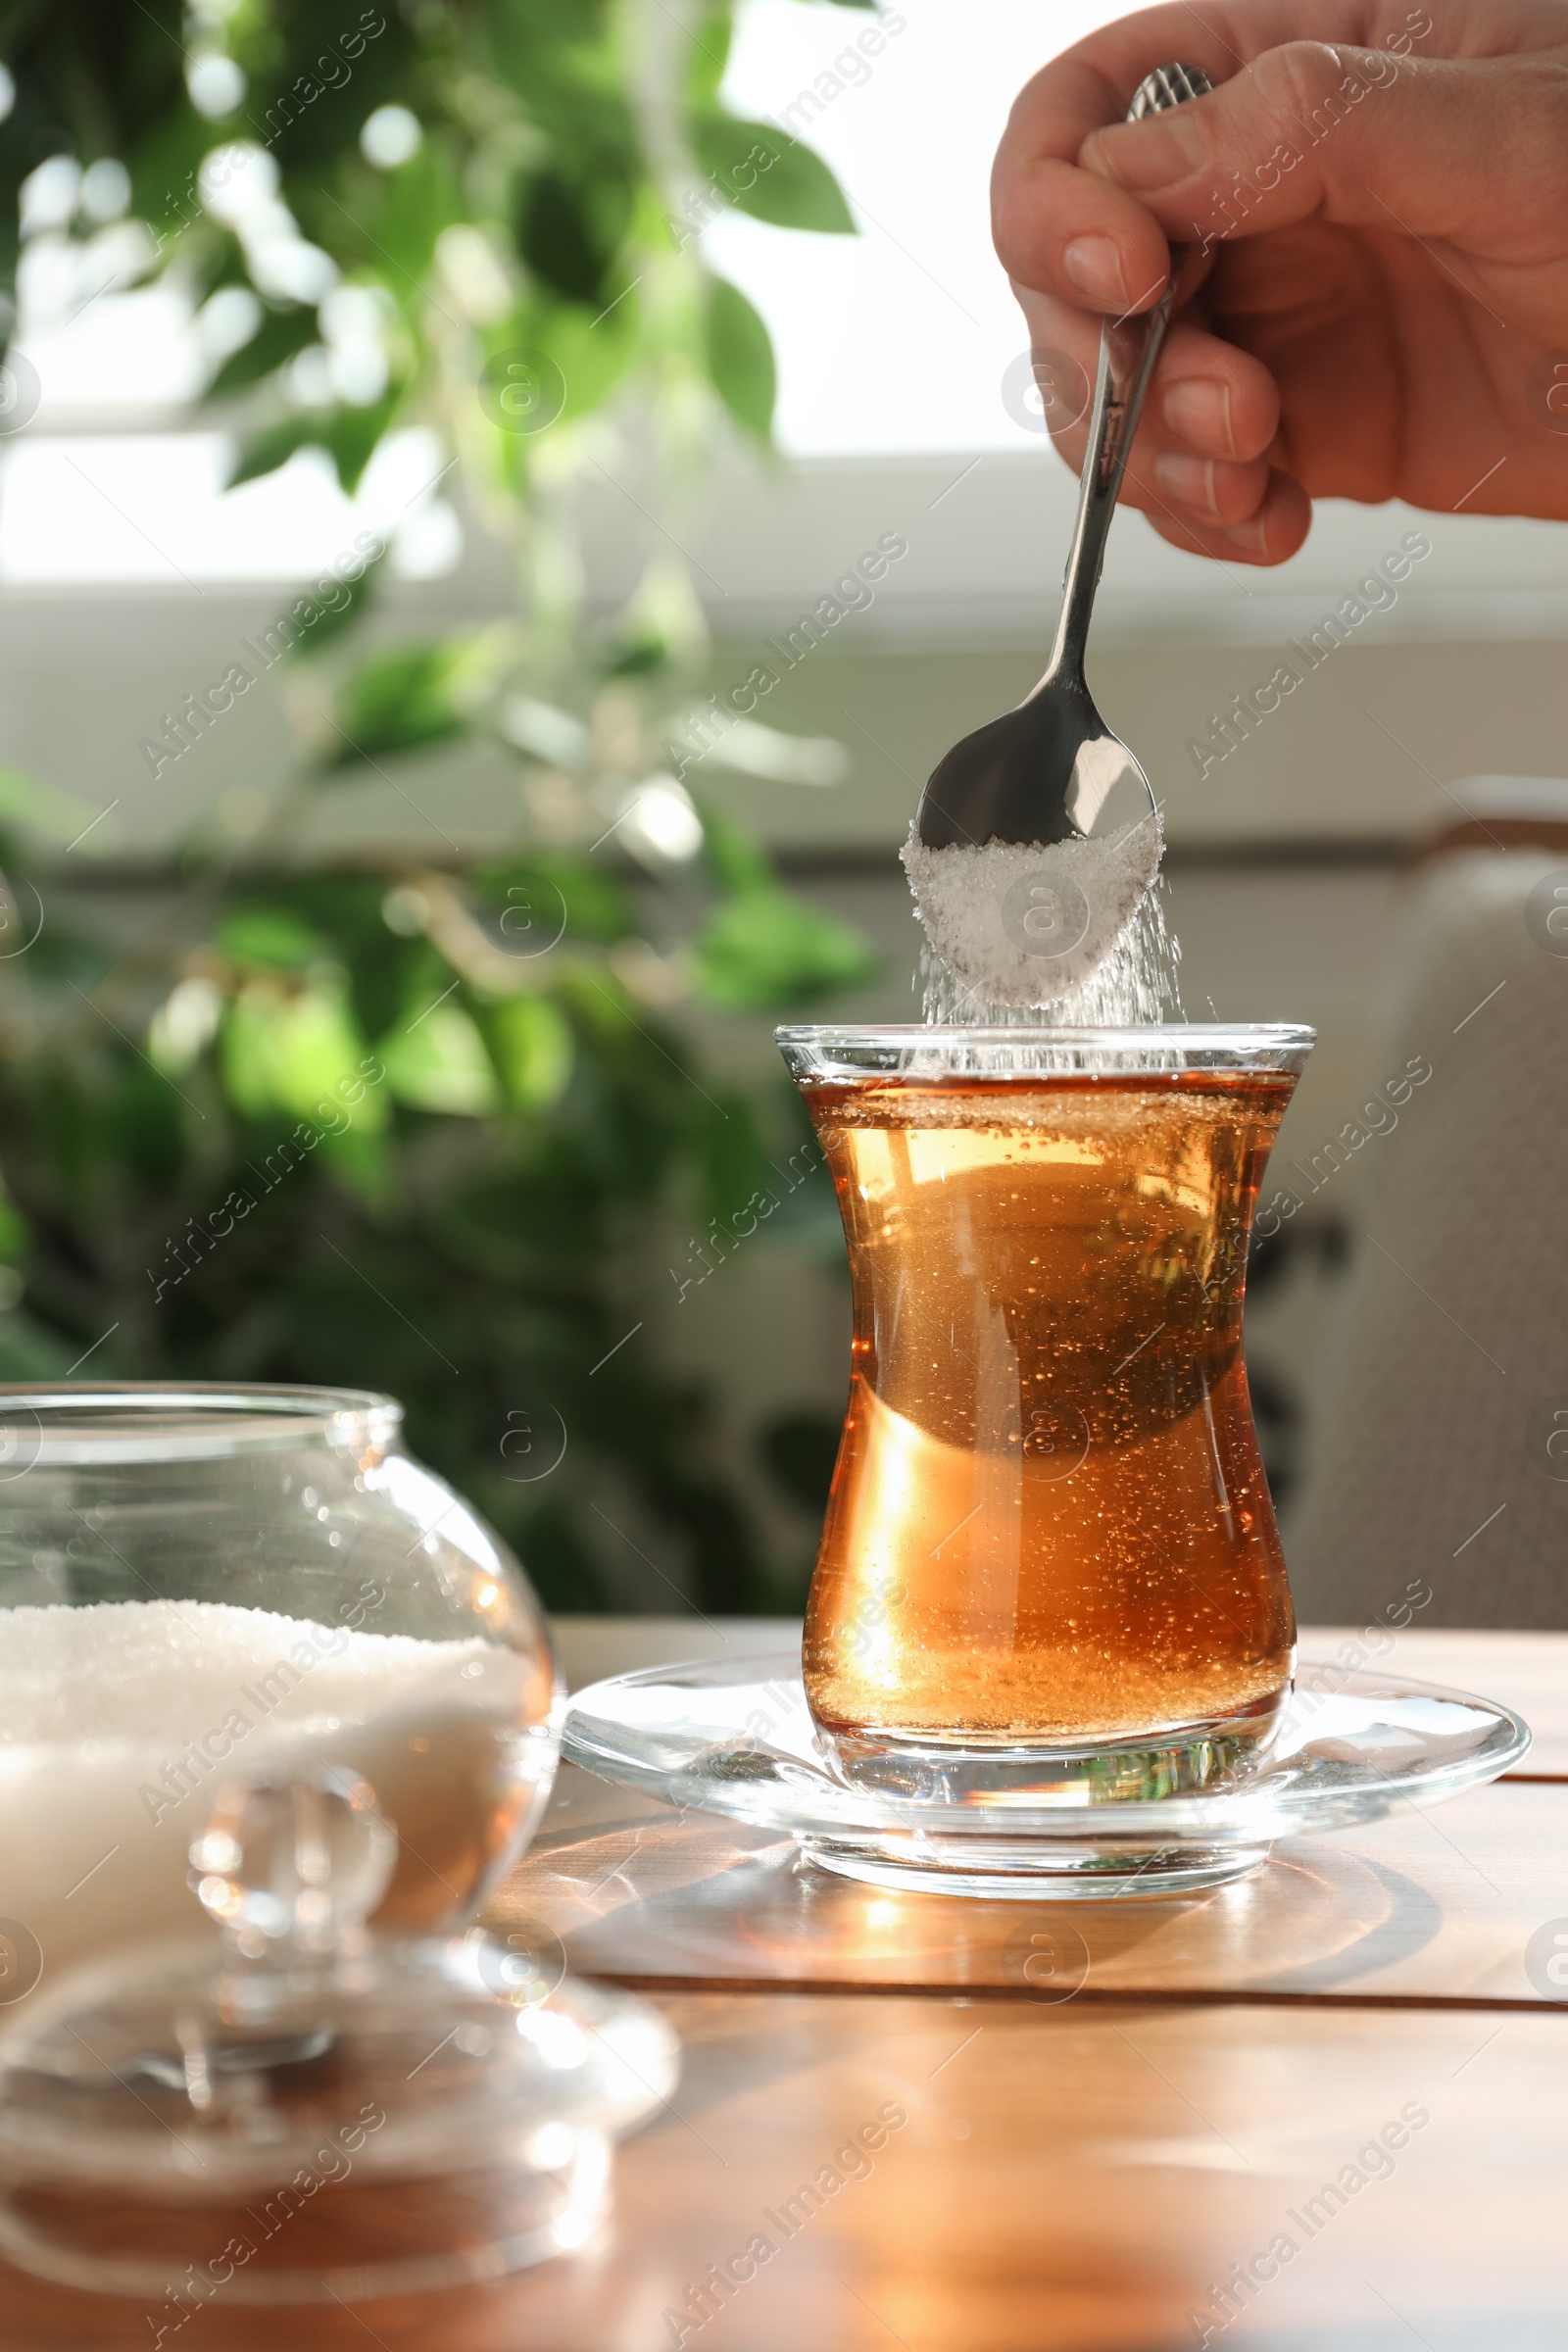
(1071, 233)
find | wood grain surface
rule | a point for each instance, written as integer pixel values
(1128, 2128)
(1067, 2180)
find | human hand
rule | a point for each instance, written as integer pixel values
(1383, 193)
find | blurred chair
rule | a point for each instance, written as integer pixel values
(1440, 1451)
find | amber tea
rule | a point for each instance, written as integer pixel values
(1050, 1528)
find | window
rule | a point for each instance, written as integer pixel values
(896, 340)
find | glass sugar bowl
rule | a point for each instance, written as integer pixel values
(201, 1582)
(258, 1664)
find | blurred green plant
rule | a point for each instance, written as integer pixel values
(394, 1125)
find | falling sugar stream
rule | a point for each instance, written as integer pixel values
(1137, 985)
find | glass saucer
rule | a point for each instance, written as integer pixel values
(735, 1736)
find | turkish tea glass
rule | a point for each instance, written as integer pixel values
(1050, 1563)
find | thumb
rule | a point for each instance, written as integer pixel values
(1358, 136)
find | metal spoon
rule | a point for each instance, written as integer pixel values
(1050, 777)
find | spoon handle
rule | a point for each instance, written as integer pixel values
(1128, 350)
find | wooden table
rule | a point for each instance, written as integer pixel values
(1324, 2106)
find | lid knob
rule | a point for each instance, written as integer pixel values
(296, 1859)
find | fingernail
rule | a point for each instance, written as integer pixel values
(1250, 537)
(1200, 411)
(1150, 154)
(1188, 481)
(1094, 267)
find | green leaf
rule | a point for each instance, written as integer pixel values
(280, 335)
(736, 1162)
(531, 1046)
(593, 348)
(740, 358)
(438, 1064)
(635, 653)
(143, 1118)
(569, 231)
(735, 857)
(768, 949)
(711, 42)
(299, 1053)
(332, 619)
(265, 452)
(268, 935)
(349, 437)
(661, 627)
(400, 214)
(14, 1231)
(764, 171)
(402, 700)
(539, 891)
